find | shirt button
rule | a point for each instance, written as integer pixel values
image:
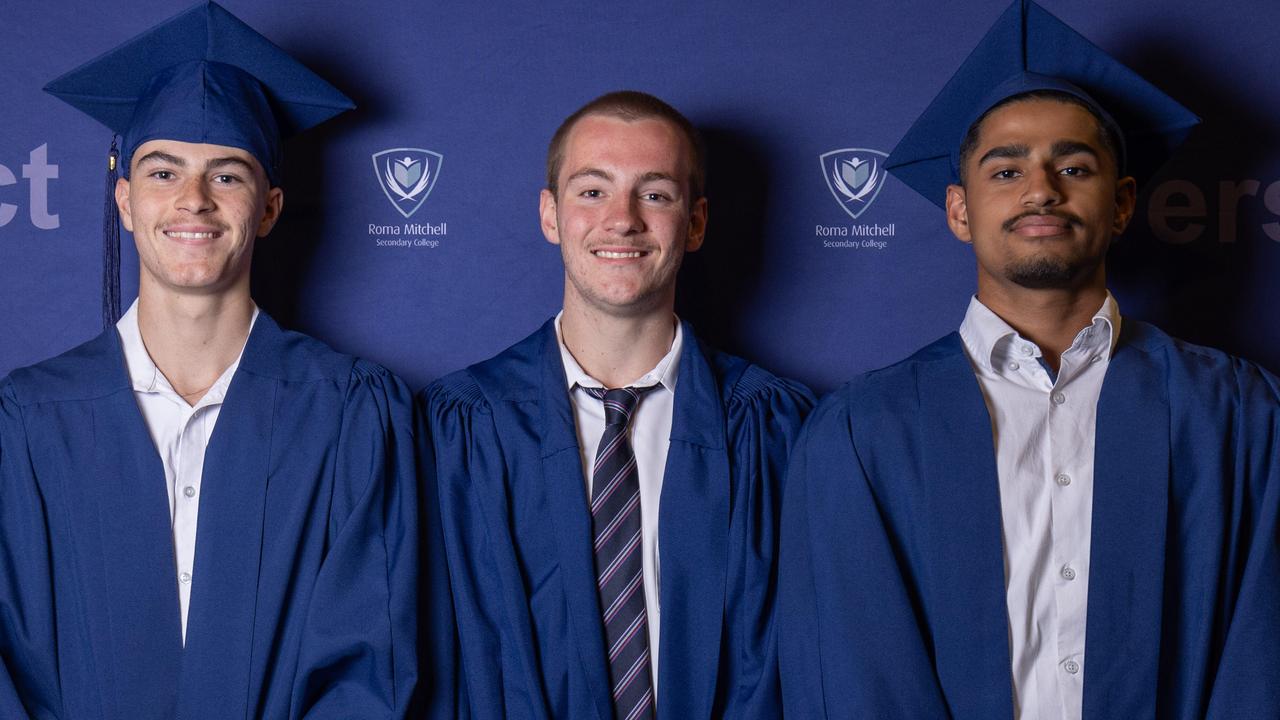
(1071, 666)
(185, 577)
(1062, 479)
(1059, 398)
(1068, 573)
(189, 491)
(1013, 366)
(1027, 350)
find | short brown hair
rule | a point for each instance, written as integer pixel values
(631, 105)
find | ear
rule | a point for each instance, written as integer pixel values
(697, 225)
(1126, 202)
(122, 204)
(274, 206)
(547, 216)
(958, 213)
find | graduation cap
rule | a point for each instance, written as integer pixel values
(201, 77)
(1029, 49)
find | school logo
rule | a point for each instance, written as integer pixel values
(854, 176)
(407, 176)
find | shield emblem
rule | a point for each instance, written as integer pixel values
(407, 176)
(854, 176)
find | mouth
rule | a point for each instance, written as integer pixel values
(192, 234)
(619, 253)
(1041, 225)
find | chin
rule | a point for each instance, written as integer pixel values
(1047, 273)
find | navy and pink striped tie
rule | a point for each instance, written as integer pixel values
(615, 521)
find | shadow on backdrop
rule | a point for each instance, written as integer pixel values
(721, 280)
(1195, 259)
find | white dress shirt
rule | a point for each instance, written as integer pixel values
(1044, 429)
(650, 438)
(181, 433)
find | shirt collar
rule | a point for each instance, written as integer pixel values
(992, 341)
(664, 373)
(147, 378)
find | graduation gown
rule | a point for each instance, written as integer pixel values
(303, 602)
(518, 536)
(892, 599)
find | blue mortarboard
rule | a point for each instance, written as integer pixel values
(1029, 49)
(201, 77)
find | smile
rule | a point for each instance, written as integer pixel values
(615, 255)
(185, 235)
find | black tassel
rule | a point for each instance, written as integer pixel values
(111, 243)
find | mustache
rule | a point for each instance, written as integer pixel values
(1070, 218)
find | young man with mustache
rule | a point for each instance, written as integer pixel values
(1056, 512)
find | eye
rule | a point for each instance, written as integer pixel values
(226, 179)
(1006, 174)
(591, 193)
(654, 196)
(1076, 171)
(161, 175)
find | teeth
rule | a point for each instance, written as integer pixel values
(190, 235)
(617, 255)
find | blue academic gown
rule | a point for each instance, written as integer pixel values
(892, 600)
(518, 536)
(304, 599)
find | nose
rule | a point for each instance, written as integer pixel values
(195, 197)
(1042, 188)
(624, 215)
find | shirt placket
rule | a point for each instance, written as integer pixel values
(189, 468)
(1069, 480)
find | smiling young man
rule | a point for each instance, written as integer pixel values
(195, 411)
(609, 485)
(1056, 512)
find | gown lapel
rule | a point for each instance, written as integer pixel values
(220, 621)
(134, 548)
(567, 499)
(1130, 513)
(693, 530)
(964, 544)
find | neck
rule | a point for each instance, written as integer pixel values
(193, 339)
(617, 351)
(1049, 318)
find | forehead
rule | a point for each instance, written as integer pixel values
(1039, 121)
(646, 145)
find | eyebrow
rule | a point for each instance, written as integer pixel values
(658, 176)
(162, 157)
(1073, 147)
(159, 156)
(589, 172)
(1005, 152)
(1060, 148)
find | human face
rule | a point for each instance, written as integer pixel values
(1041, 200)
(195, 211)
(623, 217)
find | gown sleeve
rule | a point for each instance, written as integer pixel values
(764, 415)
(358, 654)
(28, 663)
(1247, 681)
(463, 443)
(852, 644)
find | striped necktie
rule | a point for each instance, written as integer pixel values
(615, 522)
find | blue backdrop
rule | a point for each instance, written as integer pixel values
(788, 277)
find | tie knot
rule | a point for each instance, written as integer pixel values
(618, 403)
